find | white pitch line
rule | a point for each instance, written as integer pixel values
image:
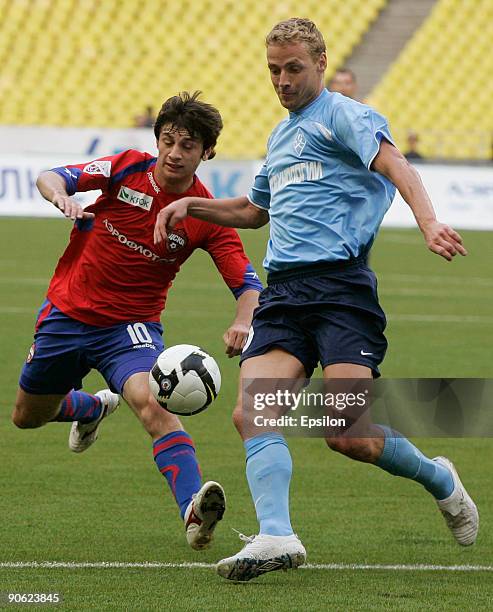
(459, 293)
(482, 281)
(440, 318)
(406, 568)
(17, 310)
(19, 280)
(309, 566)
(396, 318)
(414, 240)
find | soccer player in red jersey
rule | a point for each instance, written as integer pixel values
(105, 299)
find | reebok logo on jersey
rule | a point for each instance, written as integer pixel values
(299, 142)
(135, 198)
(99, 167)
(153, 182)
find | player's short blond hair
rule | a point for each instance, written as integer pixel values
(295, 30)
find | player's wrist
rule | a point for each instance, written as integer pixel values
(58, 194)
(190, 204)
(426, 223)
(242, 324)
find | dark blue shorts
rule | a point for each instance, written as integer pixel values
(65, 350)
(324, 314)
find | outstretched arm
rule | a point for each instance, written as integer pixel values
(230, 212)
(440, 238)
(54, 189)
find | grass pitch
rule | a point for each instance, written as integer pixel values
(111, 504)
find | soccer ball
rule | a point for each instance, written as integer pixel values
(185, 379)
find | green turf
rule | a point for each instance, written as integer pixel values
(111, 504)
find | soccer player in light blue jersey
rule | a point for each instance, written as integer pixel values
(330, 175)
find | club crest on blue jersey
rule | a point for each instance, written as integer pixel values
(299, 142)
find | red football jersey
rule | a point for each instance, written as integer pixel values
(111, 271)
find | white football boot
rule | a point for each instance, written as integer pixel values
(262, 554)
(82, 435)
(458, 509)
(203, 513)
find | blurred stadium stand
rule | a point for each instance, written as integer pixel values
(100, 62)
(441, 85)
(383, 42)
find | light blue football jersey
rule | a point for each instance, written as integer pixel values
(324, 202)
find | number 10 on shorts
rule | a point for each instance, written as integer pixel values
(138, 333)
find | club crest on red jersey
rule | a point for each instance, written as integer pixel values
(99, 167)
(177, 240)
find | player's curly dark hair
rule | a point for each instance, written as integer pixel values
(201, 120)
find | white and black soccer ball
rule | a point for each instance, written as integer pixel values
(185, 379)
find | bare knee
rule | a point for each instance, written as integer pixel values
(24, 419)
(33, 411)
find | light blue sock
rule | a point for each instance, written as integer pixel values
(268, 471)
(401, 458)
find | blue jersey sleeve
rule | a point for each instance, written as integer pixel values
(250, 281)
(361, 129)
(70, 176)
(103, 172)
(260, 192)
(226, 249)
